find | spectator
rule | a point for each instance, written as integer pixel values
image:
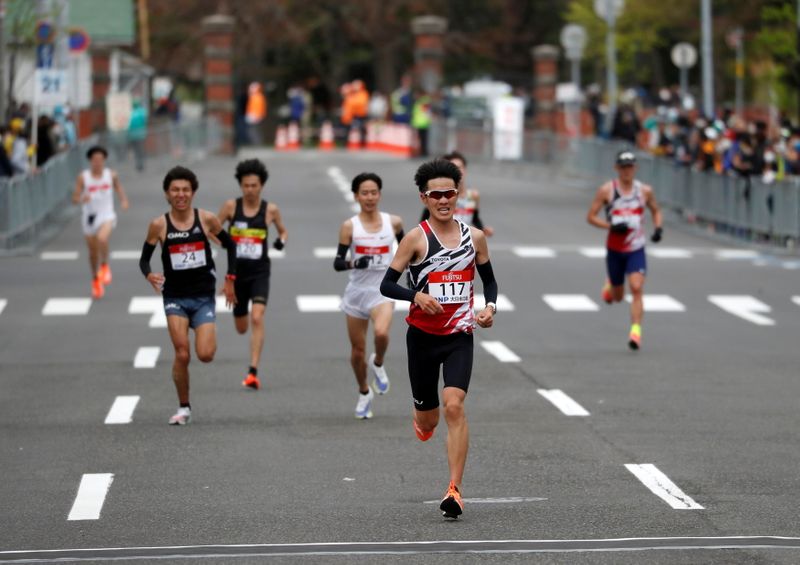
(255, 113)
(137, 132)
(45, 147)
(402, 101)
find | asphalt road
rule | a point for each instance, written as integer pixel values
(708, 409)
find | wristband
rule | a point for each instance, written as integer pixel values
(493, 306)
(230, 277)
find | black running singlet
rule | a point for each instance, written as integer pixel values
(250, 233)
(187, 262)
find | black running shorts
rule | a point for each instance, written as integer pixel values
(426, 353)
(255, 289)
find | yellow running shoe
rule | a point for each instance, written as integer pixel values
(635, 337)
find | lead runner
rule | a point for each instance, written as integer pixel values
(442, 254)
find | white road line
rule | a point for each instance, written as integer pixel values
(563, 402)
(570, 303)
(277, 253)
(735, 254)
(125, 255)
(221, 306)
(499, 350)
(534, 252)
(91, 495)
(795, 299)
(503, 303)
(660, 485)
(498, 500)
(669, 252)
(592, 252)
(318, 303)
(744, 306)
(66, 307)
(3, 304)
(324, 252)
(659, 303)
(149, 305)
(121, 411)
(791, 265)
(59, 255)
(146, 357)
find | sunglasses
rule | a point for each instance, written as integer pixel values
(439, 194)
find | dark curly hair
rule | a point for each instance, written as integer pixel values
(251, 167)
(180, 173)
(436, 169)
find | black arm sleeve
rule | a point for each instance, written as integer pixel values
(226, 242)
(476, 220)
(339, 263)
(425, 215)
(489, 283)
(399, 235)
(144, 259)
(390, 288)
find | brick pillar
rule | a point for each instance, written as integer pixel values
(428, 51)
(93, 119)
(545, 74)
(218, 72)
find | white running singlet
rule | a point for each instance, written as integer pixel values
(377, 246)
(100, 208)
(628, 210)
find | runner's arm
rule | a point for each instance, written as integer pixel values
(277, 221)
(214, 227)
(397, 225)
(597, 205)
(655, 210)
(406, 252)
(226, 211)
(154, 232)
(485, 317)
(123, 198)
(340, 262)
(76, 194)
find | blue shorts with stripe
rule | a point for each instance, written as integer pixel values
(619, 264)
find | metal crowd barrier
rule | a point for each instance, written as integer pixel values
(33, 206)
(744, 208)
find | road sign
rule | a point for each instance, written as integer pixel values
(684, 55)
(573, 39)
(601, 8)
(78, 40)
(44, 55)
(50, 87)
(45, 32)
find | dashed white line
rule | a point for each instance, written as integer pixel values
(67, 307)
(498, 500)
(318, 303)
(499, 350)
(121, 411)
(660, 485)
(125, 255)
(149, 305)
(146, 357)
(593, 252)
(744, 306)
(59, 255)
(3, 304)
(736, 254)
(669, 252)
(796, 300)
(570, 303)
(91, 496)
(563, 402)
(534, 252)
(659, 303)
(324, 252)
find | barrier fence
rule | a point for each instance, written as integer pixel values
(33, 205)
(746, 208)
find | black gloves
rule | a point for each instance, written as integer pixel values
(619, 228)
(278, 244)
(656, 237)
(362, 262)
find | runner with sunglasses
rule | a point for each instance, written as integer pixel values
(442, 254)
(368, 237)
(625, 200)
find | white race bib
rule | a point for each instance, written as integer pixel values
(450, 287)
(380, 254)
(185, 256)
(249, 247)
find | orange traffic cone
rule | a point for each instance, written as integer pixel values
(293, 140)
(280, 139)
(326, 136)
(354, 139)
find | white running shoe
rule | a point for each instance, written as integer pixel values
(364, 406)
(381, 382)
(182, 417)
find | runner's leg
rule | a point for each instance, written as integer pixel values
(103, 237)
(257, 335)
(92, 245)
(178, 327)
(357, 331)
(381, 322)
(457, 432)
(205, 342)
(636, 284)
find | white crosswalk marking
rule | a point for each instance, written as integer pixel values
(125, 255)
(319, 303)
(146, 357)
(59, 255)
(736, 254)
(324, 252)
(149, 305)
(669, 252)
(534, 252)
(593, 252)
(744, 306)
(796, 300)
(660, 485)
(499, 350)
(570, 303)
(659, 303)
(91, 496)
(563, 402)
(121, 411)
(3, 303)
(66, 307)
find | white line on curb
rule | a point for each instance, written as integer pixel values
(91, 495)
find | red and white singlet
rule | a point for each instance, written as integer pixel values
(628, 210)
(377, 246)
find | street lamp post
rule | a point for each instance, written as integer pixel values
(609, 10)
(708, 62)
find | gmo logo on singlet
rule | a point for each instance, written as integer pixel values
(177, 235)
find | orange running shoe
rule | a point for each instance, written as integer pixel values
(635, 337)
(452, 506)
(423, 436)
(97, 288)
(251, 381)
(105, 274)
(605, 293)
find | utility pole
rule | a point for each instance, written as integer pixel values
(144, 30)
(3, 100)
(611, 65)
(708, 62)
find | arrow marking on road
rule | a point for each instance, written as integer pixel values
(745, 307)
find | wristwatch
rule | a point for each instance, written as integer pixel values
(493, 306)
